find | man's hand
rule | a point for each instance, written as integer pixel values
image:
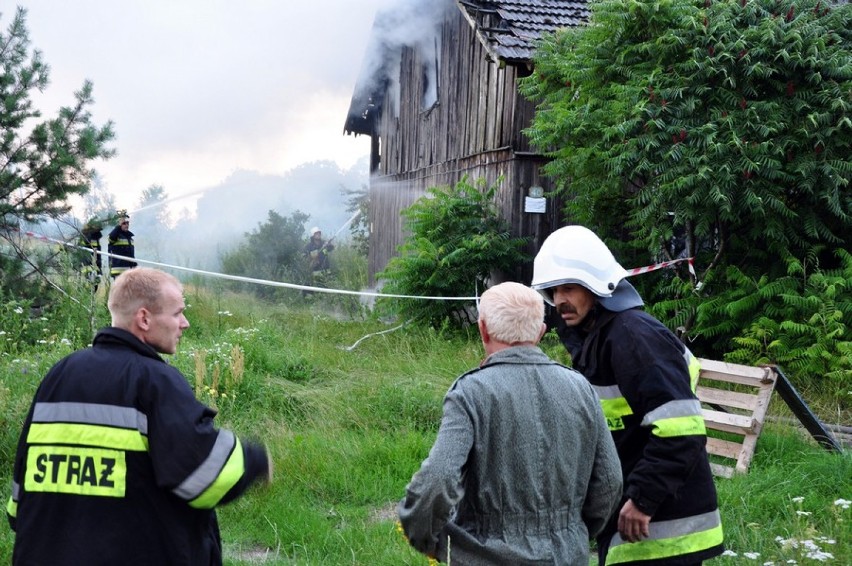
(633, 523)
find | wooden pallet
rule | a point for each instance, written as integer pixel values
(734, 400)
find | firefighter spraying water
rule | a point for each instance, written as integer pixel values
(317, 250)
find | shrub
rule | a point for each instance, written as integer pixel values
(457, 239)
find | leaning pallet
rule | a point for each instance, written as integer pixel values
(734, 401)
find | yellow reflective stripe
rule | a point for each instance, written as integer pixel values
(614, 410)
(694, 368)
(653, 549)
(12, 508)
(88, 435)
(614, 405)
(227, 478)
(679, 426)
(681, 417)
(79, 471)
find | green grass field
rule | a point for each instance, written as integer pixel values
(347, 428)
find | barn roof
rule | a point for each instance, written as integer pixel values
(508, 29)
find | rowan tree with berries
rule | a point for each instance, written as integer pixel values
(719, 130)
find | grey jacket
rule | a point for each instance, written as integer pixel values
(523, 470)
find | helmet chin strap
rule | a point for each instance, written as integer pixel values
(623, 298)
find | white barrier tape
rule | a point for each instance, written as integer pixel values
(630, 272)
(244, 279)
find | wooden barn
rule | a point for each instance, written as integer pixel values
(438, 95)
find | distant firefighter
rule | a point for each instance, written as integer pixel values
(121, 243)
(316, 251)
(89, 245)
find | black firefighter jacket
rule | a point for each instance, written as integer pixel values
(119, 464)
(645, 377)
(120, 242)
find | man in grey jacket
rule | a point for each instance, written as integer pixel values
(523, 470)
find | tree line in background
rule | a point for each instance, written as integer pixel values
(715, 130)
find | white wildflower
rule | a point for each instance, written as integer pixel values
(729, 552)
(798, 499)
(843, 503)
(819, 555)
(803, 513)
(19, 310)
(751, 555)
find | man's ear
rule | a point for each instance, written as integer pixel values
(142, 318)
(483, 331)
(541, 332)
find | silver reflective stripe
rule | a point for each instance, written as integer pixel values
(677, 527)
(672, 409)
(209, 470)
(16, 490)
(91, 413)
(608, 391)
(600, 273)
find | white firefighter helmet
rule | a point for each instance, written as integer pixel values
(574, 254)
(315, 229)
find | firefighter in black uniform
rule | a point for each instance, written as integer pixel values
(90, 261)
(118, 463)
(120, 242)
(645, 378)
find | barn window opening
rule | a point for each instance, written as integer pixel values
(431, 68)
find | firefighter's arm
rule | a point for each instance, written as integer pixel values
(197, 462)
(675, 442)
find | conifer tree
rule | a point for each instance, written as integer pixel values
(42, 161)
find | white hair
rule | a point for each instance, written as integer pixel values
(512, 312)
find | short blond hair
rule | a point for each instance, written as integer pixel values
(512, 312)
(137, 288)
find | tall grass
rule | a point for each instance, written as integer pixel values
(347, 428)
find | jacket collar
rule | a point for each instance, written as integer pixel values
(117, 336)
(517, 355)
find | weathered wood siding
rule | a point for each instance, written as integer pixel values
(474, 129)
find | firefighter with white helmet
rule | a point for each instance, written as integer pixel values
(645, 378)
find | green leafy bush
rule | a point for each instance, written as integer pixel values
(273, 251)
(800, 322)
(714, 130)
(456, 240)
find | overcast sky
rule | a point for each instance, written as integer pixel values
(198, 89)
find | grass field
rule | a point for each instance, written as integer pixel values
(347, 427)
